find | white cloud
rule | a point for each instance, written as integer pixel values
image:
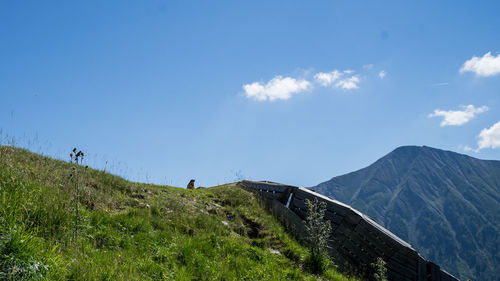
(277, 88)
(282, 88)
(349, 83)
(327, 78)
(467, 148)
(458, 117)
(338, 79)
(487, 65)
(442, 84)
(490, 137)
(382, 74)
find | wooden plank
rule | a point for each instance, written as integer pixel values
(388, 236)
(372, 248)
(405, 272)
(399, 257)
(299, 203)
(364, 244)
(410, 267)
(334, 207)
(334, 219)
(396, 276)
(445, 276)
(330, 205)
(344, 228)
(301, 213)
(372, 236)
(412, 254)
(270, 191)
(262, 185)
(291, 220)
(364, 249)
(383, 237)
(273, 188)
(338, 257)
(354, 244)
(334, 213)
(368, 249)
(271, 196)
(422, 276)
(357, 251)
(433, 271)
(348, 256)
(305, 195)
(406, 251)
(352, 218)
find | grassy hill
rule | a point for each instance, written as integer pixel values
(134, 231)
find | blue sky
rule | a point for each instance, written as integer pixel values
(288, 91)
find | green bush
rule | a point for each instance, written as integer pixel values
(380, 270)
(318, 235)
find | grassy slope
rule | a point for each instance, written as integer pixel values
(133, 231)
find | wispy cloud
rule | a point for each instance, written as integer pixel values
(327, 78)
(442, 84)
(278, 88)
(382, 74)
(484, 66)
(458, 117)
(468, 148)
(349, 83)
(489, 137)
(340, 79)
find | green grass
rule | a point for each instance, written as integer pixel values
(134, 231)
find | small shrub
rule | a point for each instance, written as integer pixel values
(380, 270)
(316, 263)
(318, 234)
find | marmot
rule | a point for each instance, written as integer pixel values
(191, 185)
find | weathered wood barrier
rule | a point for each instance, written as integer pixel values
(356, 240)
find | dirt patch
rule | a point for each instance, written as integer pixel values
(253, 228)
(229, 215)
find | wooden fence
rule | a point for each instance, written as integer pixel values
(356, 240)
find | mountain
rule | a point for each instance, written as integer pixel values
(445, 204)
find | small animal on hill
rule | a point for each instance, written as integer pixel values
(191, 185)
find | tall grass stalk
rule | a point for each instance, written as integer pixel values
(76, 159)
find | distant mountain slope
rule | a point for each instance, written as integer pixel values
(447, 205)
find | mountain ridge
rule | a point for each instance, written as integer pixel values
(416, 188)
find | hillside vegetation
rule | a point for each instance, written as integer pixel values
(134, 231)
(445, 204)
